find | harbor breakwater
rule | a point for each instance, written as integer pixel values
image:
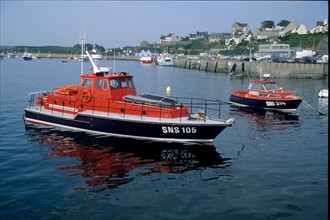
(285, 70)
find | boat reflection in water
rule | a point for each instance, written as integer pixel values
(323, 105)
(264, 120)
(108, 162)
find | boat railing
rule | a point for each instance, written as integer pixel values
(198, 108)
(208, 106)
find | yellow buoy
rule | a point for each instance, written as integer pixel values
(168, 90)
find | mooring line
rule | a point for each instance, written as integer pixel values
(307, 105)
(239, 135)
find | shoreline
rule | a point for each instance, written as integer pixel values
(277, 70)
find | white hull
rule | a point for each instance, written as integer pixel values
(323, 93)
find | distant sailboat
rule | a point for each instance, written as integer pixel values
(27, 56)
(38, 55)
(70, 57)
(49, 56)
(95, 55)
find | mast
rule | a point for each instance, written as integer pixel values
(82, 40)
(114, 59)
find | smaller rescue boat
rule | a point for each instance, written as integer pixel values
(266, 94)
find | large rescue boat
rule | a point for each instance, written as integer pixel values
(107, 103)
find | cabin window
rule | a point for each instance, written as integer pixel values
(87, 83)
(271, 87)
(123, 83)
(256, 87)
(130, 83)
(105, 84)
(98, 83)
(274, 96)
(114, 84)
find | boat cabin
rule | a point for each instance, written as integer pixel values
(264, 85)
(110, 93)
(113, 86)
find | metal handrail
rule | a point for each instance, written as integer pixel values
(193, 104)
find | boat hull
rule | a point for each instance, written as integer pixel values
(146, 61)
(323, 93)
(165, 63)
(268, 104)
(156, 130)
(27, 58)
(97, 56)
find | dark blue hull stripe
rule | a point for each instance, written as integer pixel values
(131, 129)
(290, 105)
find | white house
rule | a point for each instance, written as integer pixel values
(321, 27)
(144, 53)
(301, 29)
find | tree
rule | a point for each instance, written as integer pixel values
(267, 24)
(283, 23)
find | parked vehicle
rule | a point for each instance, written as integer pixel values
(247, 58)
(276, 59)
(309, 59)
(287, 60)
(282, 60)
(325, 58)
(319, 60)
(299, 60)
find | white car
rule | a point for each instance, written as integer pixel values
(319, 60)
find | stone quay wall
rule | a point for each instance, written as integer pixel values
(285, 70)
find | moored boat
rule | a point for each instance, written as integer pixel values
(165, 60)
(107, 103)
(266, 94)
(27, 56)
(146, 60)
(323, 93)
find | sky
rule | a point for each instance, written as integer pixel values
(127, 23)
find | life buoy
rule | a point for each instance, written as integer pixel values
(86, 95)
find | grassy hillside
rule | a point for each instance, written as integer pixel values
(45, 49)
(317, 41)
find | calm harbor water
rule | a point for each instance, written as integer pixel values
(267, 166)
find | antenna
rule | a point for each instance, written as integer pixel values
(82, 40)
(259, 69)
(114, 60)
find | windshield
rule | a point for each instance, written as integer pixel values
(271, 86)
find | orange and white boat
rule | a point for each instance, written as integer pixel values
(266, 94)
(107, 103)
